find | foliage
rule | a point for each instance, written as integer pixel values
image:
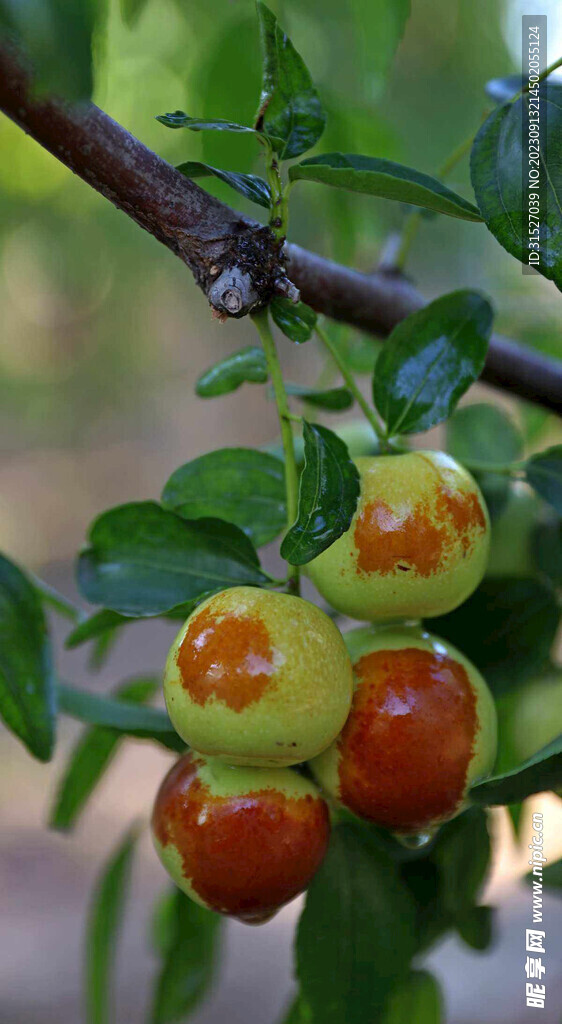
(103, 926)
(329, 489)
(27, 692)
(383, 178)
(375, 904)
(496, 163)
(189, 939)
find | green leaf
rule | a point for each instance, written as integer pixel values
(551, 875)
(102, 648)
(144, 560)
(446, 878)
(356, 935)
(178, 119)
(483, 433)
(128, 719)
(430, 359)
(332, 399)
(57, 38)
(418, 1000)
(102, 930)
(249, 364)
(507, 628)
(241, 485)
(105, 622)
(462, 855)
(328, 494)
(385, 179)
(540, 772)
(295, 319)
(476, 927)
(544, 472)
(27, 694)
(546, 546)
(496, 169)
(248, 185)
(501, 90)
(162, 921)
(422, 878)
(91, 757)
(101, 622)
(289, 107)
(55, 600)
(189, 960)
(515, 812)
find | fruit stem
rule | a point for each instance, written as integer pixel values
(261, 321)
(279, 212)
(350, 382)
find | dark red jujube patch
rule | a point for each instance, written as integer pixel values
(244, 855)
(408, 742)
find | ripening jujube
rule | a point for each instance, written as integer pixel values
(421, 731)
(417, 545)
(239, 841)
(258, 678)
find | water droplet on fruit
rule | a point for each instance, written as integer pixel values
(417, 840)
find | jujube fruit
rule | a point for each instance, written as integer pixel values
(511, 549)
(258, 678)
(417, 545)
(536, 715)
(240, 841)
(421, 731)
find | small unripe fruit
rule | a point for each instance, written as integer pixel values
(258, 678)
(536, 715)
(421, 731)
(240, 841)
(511, 551)
(359, 437)
(417, 545)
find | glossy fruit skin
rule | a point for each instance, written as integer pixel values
(421, 731)
(417, 545)
(240, 841)
(258, 678)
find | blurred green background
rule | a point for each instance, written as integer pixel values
(104, 335)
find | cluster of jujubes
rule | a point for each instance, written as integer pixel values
(396, 724)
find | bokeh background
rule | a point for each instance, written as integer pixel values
(104, 335)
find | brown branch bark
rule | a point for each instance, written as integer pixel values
(377, 302)
(236, 262)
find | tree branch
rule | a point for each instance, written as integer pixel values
(234, 260)
(377, 302)
(237, 262)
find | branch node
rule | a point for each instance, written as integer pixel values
(233, 293)
(286, 288)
